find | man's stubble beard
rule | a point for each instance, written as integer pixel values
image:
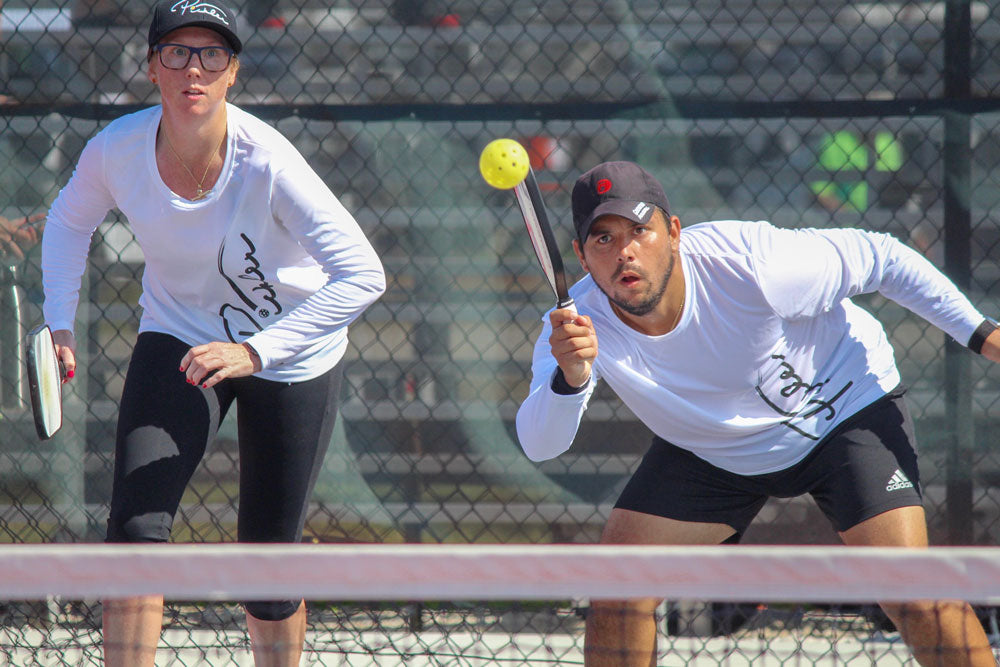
(647, 305)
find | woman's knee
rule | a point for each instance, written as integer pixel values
(625, 609)
(272, 610)
(146, 527)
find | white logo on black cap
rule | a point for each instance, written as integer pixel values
(196, 7)
(641, 210)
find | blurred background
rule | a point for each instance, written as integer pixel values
(806, 113)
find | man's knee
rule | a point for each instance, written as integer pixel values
(929, 619)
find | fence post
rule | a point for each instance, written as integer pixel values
(957, 166)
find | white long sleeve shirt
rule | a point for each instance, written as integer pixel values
(769, 354)
(270, 256)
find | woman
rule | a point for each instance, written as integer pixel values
(253, 272)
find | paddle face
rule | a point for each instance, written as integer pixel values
(44, 381)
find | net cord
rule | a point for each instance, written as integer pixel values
(501, 572)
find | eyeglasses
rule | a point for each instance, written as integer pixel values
(177, 56)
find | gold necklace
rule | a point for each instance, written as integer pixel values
(680, 309)
(677, 317)
(202, 193)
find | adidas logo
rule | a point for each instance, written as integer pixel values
(898, 481)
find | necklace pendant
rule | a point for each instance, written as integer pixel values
(199, 195)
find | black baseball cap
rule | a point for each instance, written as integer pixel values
(173, 14)
(616, 188)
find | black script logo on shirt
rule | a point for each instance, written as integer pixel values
(196, 7)
(254, 291)
(794, 384)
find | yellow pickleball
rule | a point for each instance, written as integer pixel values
(503, 163)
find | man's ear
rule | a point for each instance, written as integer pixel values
(579, 254)
(674, 227)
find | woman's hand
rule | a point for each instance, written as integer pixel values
(208, 365)
(65, 344)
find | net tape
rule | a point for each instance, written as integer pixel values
(501, 572)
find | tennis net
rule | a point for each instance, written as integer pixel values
(490, 605)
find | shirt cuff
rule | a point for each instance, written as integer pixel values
(980, 335)
(259, 346)
(563, 388)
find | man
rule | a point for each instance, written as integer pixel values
(739, 347)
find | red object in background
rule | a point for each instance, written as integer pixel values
(273, 22)
(446, 21)
(545, 153)
(540, 150)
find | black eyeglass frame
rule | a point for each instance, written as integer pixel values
(194, 50)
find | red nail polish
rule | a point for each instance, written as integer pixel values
(204, 386)
(70, 374)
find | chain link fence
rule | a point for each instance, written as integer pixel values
(806, 113)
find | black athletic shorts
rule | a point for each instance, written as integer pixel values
(866, 466)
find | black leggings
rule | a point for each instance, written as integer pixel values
(165, 425)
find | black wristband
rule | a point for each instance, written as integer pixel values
(560, 386)
(980, 335)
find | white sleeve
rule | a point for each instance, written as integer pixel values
(76, 212)
(546, 421)
(809, 271)
(304, 205)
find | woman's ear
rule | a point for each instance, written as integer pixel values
(150, 67)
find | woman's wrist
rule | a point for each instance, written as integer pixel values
(254, 357)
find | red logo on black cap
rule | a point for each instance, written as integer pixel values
(603, 186)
